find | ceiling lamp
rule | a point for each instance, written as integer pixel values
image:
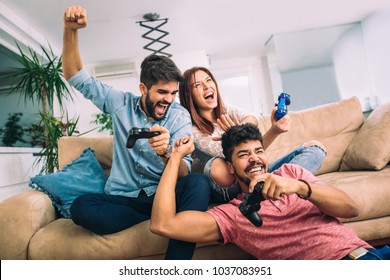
(153, 23)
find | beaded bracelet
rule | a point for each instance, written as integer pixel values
(308, 192)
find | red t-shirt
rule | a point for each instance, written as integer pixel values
(293, 228)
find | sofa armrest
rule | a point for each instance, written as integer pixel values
(21, 216)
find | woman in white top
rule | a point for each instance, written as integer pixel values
(211, 117)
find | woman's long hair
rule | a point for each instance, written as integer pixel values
(185, 96)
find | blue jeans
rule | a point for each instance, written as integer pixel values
(381, 253)
(106, 214)
(308, 157)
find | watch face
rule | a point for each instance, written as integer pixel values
(168, 152)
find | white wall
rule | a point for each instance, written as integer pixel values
(350, 67)
(359, 58)
(241, 83)
(310, 87)
(272, 78)
(17, 166)
(376, 36)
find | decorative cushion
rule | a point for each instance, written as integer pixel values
(370, 149)
(83, 175)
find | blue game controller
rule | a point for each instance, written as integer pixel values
(283, 102)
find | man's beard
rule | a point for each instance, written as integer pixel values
(247, 180)
(242, 179)
(150, 108)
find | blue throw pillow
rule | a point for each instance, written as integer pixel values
(84, 175)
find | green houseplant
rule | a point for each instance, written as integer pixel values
(40, 80)
(56, 128)
(104, 121)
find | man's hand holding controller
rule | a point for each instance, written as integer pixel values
(160, 143)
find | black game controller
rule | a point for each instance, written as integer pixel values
(251, 204)
(136, 133)
(283, 102)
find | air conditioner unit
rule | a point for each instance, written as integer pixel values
(107, 71)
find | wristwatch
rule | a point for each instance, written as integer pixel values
(168, 152)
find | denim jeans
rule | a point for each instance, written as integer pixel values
(380, 253)
(308, 157)
(106, 214)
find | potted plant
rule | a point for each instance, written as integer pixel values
(56, 128)
(104, 121)
(40, 79)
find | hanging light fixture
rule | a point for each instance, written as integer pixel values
(153, 23)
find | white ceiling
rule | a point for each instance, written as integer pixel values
(223, 28)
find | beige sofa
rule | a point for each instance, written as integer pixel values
(358, 154)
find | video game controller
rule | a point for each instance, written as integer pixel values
(283, 102)
(251, 204)
(136, 133)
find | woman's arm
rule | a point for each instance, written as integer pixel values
(277, 128)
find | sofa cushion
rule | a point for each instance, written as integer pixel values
(83, 175)
(369, 189)
(136, 242)
(370, 149)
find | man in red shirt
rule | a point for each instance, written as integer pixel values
(299, 211)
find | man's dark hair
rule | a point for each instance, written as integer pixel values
(157, 68)
(238, 134)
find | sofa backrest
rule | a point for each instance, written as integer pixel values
(70, 148)
(333, 124)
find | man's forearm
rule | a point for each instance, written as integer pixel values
(332, 201)
(71, 59)
(183, 168)
(164, 205)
